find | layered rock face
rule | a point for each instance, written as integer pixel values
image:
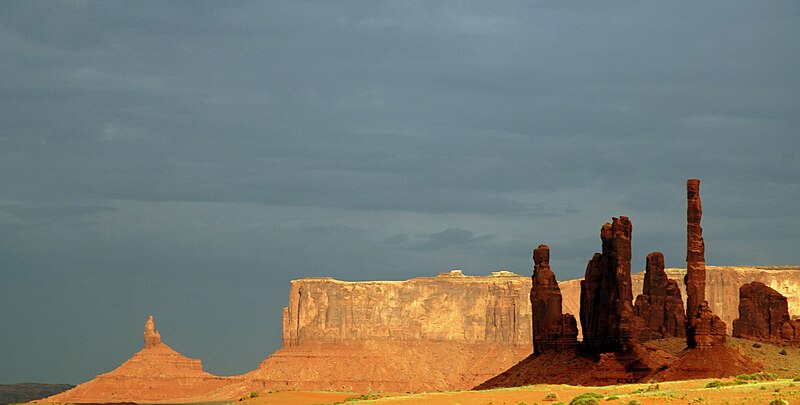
(606, 308)
(379, 335)
(703, 328)
(155, 373)
(764, 315)
(552, 330)
(660, 305)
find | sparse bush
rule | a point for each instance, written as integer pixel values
(778, 401)
(551, 396)
(633, 402)
(783, 352)
(761, 376)
(612, 398)
(252, 395)
(796, 378)
(588, 398)
(716, 384)
(757, 345)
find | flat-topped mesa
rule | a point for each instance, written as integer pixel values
(606, 310)
(151, 336)
(552, 330)
(764, 315)
(703, 328)
(660, 305)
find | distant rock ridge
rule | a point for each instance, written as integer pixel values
(722, 287)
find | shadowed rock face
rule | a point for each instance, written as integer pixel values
(606, 309)
(660, 305)
(552, 330)
(703, 328)
(764, 315)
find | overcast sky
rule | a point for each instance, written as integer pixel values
(189, 159)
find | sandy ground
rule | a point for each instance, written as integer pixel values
(675, 392)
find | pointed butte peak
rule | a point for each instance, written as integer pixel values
(151, 335)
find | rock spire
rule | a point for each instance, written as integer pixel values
(703, 328)
(552, 330)
(151, 336)
(606, 310)
(660, 305)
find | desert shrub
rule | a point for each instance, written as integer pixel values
(633, 402)
(551, 396)
(588, 398)
(612, 398)
(783, 352)
(716, 384)
(778, 401)
(796, 378)
(757, 345)
(761, 376)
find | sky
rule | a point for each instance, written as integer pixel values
(189, 159)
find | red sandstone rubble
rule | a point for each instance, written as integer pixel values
(764, 315)
(606, 312)
(703, 328)
(660, 304)
(552, 330)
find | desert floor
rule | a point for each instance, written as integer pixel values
(675, 392)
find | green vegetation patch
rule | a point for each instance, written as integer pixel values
(762, 376)
(588, 398)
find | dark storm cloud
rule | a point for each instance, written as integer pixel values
(152, 153)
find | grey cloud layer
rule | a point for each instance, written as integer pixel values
(152, 154)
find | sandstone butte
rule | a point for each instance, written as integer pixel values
(764, 315)
(157, 373)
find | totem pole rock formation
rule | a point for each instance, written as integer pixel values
(660, 305)
(151, 335)
(703, 328)
(764, 315)
(552, 330)
(606, 310)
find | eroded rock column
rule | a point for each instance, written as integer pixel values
(703, 328)
(552, 330)
(606, 313)
(151, 335)
(660, 305)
